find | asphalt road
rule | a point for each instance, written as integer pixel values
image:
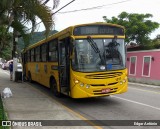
(141, 102)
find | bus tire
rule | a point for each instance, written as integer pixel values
(53, 88)
(30, 77)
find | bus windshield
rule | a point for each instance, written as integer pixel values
(110, 55)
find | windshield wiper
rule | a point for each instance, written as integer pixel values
(112, 50)
(95, 48)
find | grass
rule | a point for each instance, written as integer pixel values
(2, 115)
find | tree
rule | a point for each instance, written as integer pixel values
(138, 26)
(5, 42)
(19, 14)
(156, 42)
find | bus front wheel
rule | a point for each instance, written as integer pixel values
(53, 88)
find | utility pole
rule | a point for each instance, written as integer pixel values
(15, 40)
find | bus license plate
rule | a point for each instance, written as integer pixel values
(106, 90)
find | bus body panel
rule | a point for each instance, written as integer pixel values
(81, 84)
(96, 86)
(42, 72)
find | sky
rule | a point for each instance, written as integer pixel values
(64, 18)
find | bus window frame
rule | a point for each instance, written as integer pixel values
(37, 54)
(55, 44)
(25, 56)
(33, 54)
(44, 52)
(28, 56)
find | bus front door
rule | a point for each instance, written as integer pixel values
(64, 66)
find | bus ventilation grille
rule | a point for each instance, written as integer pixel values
(109, 84)
(104, 75)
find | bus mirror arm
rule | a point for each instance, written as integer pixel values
(72, 40)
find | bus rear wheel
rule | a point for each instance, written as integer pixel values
(53, 88)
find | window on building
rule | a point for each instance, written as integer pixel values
(132, 69)
(146, 66)
(53, 49)
(37, 54)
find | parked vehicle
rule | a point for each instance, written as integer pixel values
(2, 61)
(4, 66)
(7, 64)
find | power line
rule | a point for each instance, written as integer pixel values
(96, 7)
(55, 12)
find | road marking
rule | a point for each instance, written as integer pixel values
(137, 102)
(145, 90)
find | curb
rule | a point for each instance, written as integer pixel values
(146, 85)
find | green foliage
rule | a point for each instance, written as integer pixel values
(36, 36)
(19, 14)
(138, 26)
(156, 43)
(3, 115)
(6, 53)
(5, 43)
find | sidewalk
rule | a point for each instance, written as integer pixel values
(28, 103)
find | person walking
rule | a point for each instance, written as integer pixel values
(11, 70)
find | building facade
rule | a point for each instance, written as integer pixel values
(144, 66)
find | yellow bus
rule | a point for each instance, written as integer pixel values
(81, 61)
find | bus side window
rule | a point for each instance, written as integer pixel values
(25, 56)
(37, 54)
(63, 58)
(28, 56)
(32, 55)
(53, 49)
(44, 52)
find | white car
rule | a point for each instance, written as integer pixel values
(7, 64)
(4, 66)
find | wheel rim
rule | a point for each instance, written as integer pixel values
(54, 88)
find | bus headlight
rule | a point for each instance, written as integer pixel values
(124, 81)
(81, 84)
(87, 86)
(121, 82)
(76, 81)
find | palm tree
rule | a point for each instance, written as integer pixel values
(18, 14)
(5, 41)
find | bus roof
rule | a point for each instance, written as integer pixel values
(68, 30)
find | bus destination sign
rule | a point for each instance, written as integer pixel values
(98, 30)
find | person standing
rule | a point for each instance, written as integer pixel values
(11, 70)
